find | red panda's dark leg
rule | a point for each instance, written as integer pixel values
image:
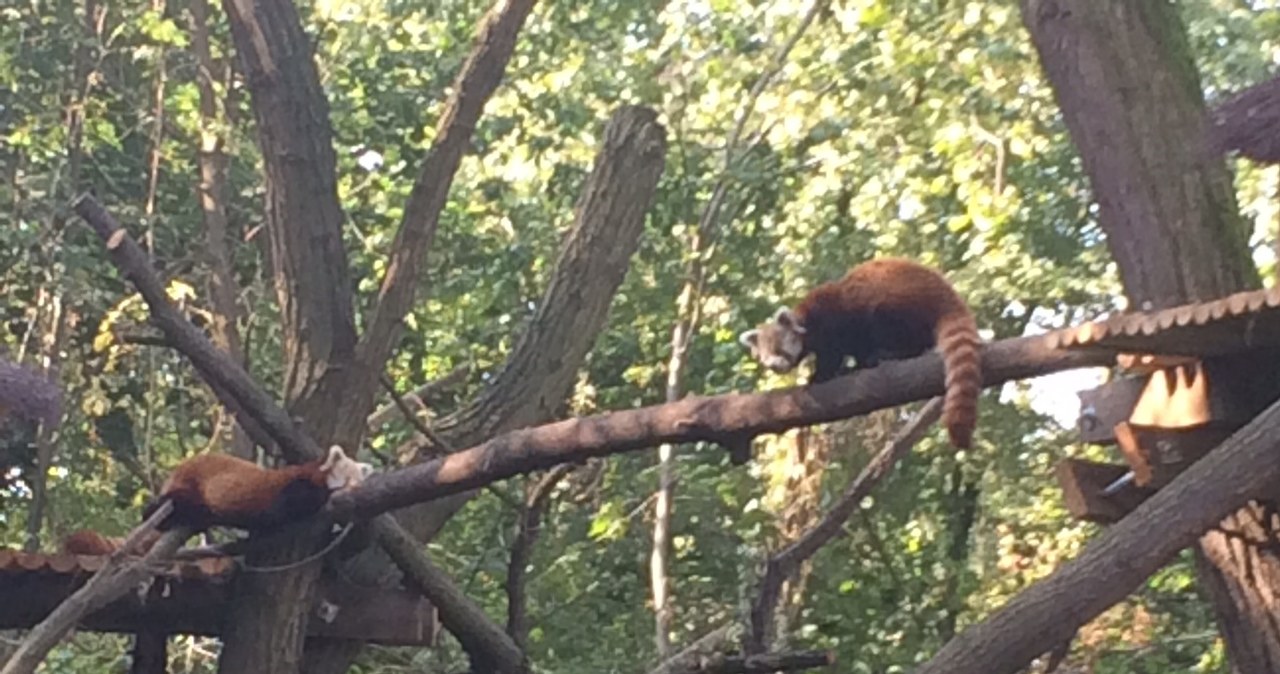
(296, 501)
(826, 366)
(188, 510)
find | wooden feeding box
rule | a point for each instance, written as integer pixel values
(1191, 376)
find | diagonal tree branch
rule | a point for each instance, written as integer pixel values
(783, 564)
(1049, 612)
(483, 639)
(110, 582)
(475, 83)
(730, 419)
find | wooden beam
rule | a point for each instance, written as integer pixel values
(178, 605)
(1103, 407)
(1157, 455)
(1083, 483)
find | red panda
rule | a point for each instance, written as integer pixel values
(222, 490)
(92, 543)
(884, 309)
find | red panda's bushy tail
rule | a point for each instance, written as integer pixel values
(958, 342)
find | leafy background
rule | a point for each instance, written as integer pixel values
(918, 128)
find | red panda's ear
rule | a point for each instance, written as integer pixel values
(749, 338)
(335, 455)
(787, 319)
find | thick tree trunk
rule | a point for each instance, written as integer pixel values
(1130, 94)
(267, 624)
(1131, 97)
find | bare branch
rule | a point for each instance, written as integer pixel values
(784, 563)
(1113, 564)
(1249, 123)
(384, 414)
(474, 84)
(727, 419)
(703, 646)
(112, 581)
(531, 513)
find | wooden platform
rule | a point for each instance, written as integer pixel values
(192, 598)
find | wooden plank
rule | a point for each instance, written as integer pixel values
(1146, 363)
(1103, 407)
(1083, 483)
(198, 605)
(1157, 455)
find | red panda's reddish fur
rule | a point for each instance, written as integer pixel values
(222, 490)
(92, 543)
(897, 308)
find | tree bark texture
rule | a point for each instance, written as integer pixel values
(594, 258)
(1130, 95)
(303, 217)
(313, 288)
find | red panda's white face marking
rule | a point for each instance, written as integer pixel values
(343, 472)
(778, 344)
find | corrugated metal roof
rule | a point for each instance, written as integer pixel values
(14, 561)
(1231, 324)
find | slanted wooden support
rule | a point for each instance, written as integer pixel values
(1083, 484)
(1156, 455)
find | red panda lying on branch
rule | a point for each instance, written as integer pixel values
(222, 490)
(887, 308)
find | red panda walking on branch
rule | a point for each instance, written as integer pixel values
(222, 490)
(884, 309)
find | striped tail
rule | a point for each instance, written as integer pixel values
(958, 341)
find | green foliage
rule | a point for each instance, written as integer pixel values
(895, 127)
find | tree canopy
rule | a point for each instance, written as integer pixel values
(799, 138)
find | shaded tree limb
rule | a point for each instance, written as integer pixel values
(475, 83)
(479, 635)
(527, 529)
(764, 663)
(726, 419)
(702, 647)
(1249, 123)
(387, 412)
(303, 214)
(1114, 563)
(119, 575)
(782, 564)
(211, 187)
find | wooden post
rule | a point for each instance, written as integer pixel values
(150, 652)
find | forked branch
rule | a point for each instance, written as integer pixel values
(783, 564)
(481, 637)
